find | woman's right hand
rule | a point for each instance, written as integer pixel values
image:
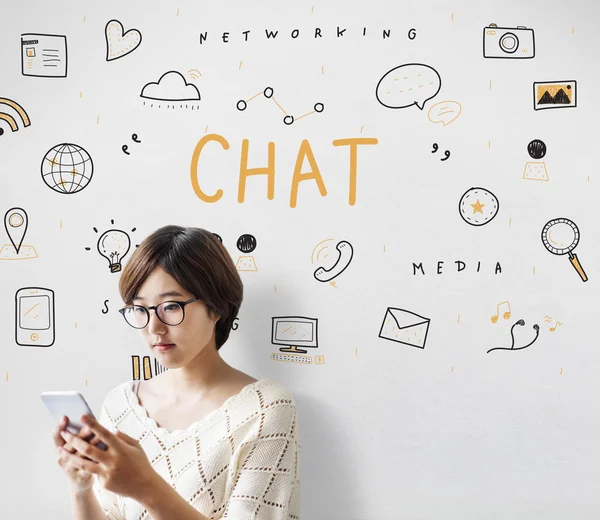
(79, 480)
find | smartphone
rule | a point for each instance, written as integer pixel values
(34, 325)
(72, 404)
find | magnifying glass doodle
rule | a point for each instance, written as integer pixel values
(560, 236)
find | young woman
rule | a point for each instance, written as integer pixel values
(201, 440)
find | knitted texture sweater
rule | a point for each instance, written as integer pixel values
(239, 462)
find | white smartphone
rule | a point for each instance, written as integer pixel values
(72, 404)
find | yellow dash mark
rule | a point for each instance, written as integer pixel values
(206, 129)
(588, 178)
(7, 376)
(84, 19)
(322, 70)
(452, 16)
(312, 9)
(561, 371)
(240, 65)
(75, 325)
(81, 94)
(452, 369)
(356, 353)
(384, 248)
(275, 287)
(459, 318)
(178, 11)
(573, 30)
(510, 221)
(361, 128)
(98, 120)
(61, 224)
(489, 144)
(490, 83)
(534, 269)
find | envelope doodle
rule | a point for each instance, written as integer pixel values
(404, 327)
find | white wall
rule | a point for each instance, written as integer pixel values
(388, 430)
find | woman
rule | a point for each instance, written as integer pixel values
(202, 439)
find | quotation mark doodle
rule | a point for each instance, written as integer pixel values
(446, 153)
(105, 305)
(134, 137)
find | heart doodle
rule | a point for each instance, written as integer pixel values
(118, 43)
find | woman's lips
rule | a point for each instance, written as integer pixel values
(164, 347)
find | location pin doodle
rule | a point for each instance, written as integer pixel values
(134, 137)
(15, 223)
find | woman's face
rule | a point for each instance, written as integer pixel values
(191, 336)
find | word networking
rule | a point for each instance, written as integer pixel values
(304, 153)
(314, 33)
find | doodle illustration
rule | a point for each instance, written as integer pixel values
(536, 327)
(119, 43)
(294, 332)
(246, 244)
(560, 236)
(144, 368)
(113, 245)
(404, 327)
(9, 118)
(508, 42)
(44, 55)
(506, 315)
(536, 170)
(287, 119)
(345, 252)
(444, 112)
(67, 168)
(15, 223)
(478, 206)
(135, 139)
(446, 153)
(172, 88)
(554, 94)
(34, 317)
(407, 85)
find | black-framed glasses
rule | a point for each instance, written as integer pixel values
(170, 313)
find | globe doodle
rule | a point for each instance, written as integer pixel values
(67, 168)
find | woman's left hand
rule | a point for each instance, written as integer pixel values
(123, 468)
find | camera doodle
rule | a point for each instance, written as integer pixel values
(508, 42)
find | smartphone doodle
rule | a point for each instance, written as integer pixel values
(34, 317)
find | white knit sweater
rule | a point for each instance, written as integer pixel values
(239, 462)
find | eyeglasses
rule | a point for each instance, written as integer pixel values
(170, 313)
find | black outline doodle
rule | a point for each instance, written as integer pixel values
(42, 75)
(462, 201)
(9, 232)
(426, 322)
(511, 32)
(114, 266)
(134, 138)
(51, 316)
(565, 250)
(59, 149)
(288, 344)
(414, 102)
(10, 119)
(446, 153)
(106, 306)
(341, 264)
(521, 322)
(122, 37)
(547, 106)
(185, 84)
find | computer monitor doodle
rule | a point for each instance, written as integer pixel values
(294, 332)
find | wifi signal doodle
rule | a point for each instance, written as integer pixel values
(194, 74)
(288, 119)
(10, 119)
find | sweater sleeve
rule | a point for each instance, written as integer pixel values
(108, 500)
(266, 483)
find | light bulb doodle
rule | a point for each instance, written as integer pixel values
(113, 244)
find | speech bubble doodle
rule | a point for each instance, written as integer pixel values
(408, 85)
(444, 112)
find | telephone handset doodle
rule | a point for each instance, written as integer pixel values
(345, 253)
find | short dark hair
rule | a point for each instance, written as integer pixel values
(199, 262)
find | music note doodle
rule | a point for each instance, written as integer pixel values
(552, 329)
(506, 315)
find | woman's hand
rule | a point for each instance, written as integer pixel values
(123, 468)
